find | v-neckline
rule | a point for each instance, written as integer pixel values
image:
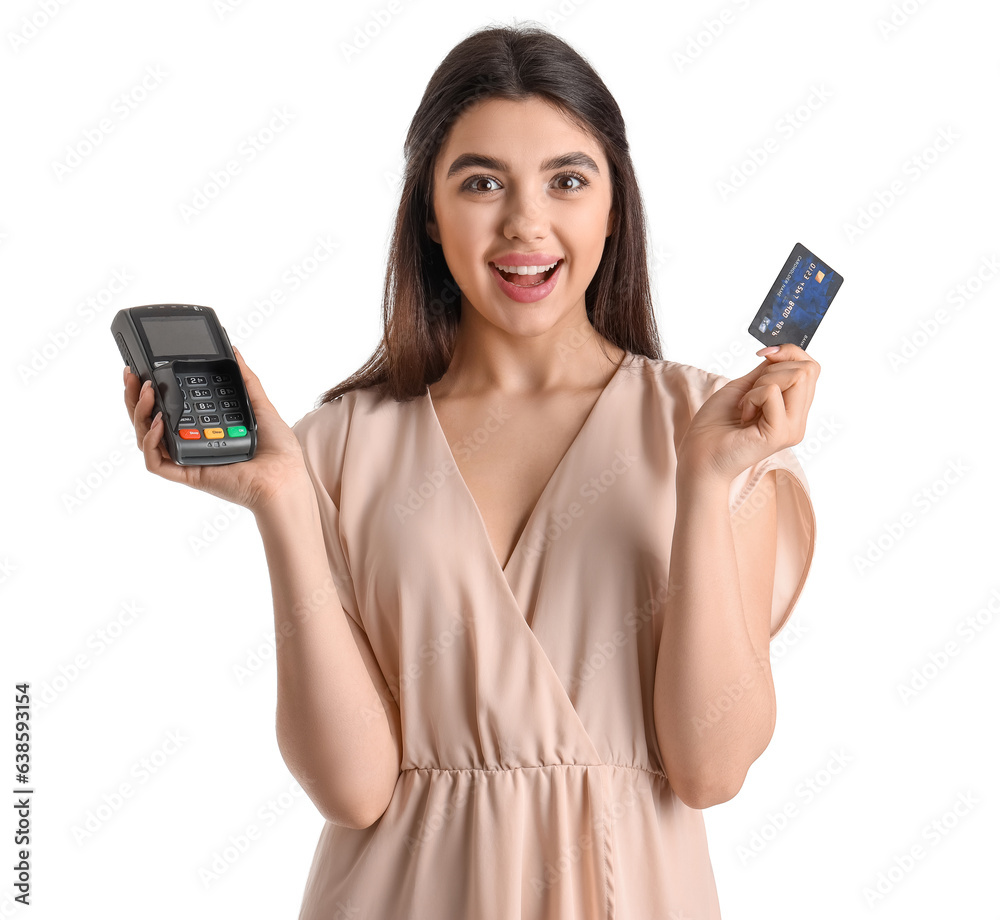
(504, 567)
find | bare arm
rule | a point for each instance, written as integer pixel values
(338, 735)
(338, 726)
(713, 696)
(714, 705)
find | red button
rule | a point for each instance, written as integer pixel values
(190, 434)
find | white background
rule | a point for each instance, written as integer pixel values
(88, 534)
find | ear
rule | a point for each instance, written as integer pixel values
(612, 223)
(432, 230)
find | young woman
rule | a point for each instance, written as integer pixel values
(525, 571)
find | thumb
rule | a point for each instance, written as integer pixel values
(745, 383)
(787, 351)
(254, 389)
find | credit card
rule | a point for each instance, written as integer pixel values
(798, 300)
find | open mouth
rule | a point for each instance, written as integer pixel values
(527, 275)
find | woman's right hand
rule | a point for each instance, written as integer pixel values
(277, 463)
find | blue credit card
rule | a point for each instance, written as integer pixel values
(798, 300)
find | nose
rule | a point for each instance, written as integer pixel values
(527, 216)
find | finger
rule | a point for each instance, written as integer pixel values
(774, 412)
(132, 384)
(792, 359)
(798, 383)
(774, 421)
(784, 375)
(787, 351)
(795, 385)
(141, 412)
(156, 455)
(255, 392)
(789, 383)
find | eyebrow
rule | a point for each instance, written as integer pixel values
(467, 160)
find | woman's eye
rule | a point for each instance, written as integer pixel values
(476, 184)
(571, 177)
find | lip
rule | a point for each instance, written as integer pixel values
(524, 293)
(525, 258)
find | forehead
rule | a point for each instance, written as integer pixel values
(523, 129)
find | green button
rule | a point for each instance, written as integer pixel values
(236, 431)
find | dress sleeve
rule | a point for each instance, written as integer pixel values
(796, 525)
(323, 435)
(796, 517)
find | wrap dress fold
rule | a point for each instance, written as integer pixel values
(532, 785)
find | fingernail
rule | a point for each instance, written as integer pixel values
(155, 419)
(770, 350)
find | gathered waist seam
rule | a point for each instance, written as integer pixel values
(542, 766)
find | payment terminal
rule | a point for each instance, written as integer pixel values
(197, 384)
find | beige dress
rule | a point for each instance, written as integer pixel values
(532, 785)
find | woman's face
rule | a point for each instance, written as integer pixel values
(517, 183)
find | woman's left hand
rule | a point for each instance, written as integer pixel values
(752, 416)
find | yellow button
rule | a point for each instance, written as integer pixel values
(214, 433)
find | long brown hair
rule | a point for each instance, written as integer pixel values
(421, 304)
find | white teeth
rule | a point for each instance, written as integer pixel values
(526, 269)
